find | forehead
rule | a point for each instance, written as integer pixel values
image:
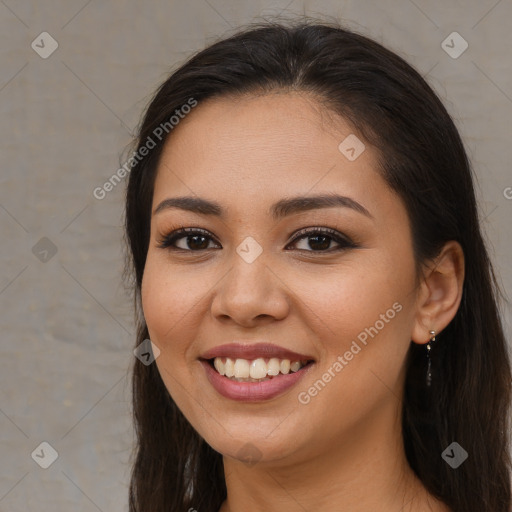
(253, 147)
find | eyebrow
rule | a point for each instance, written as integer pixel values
(282, 208)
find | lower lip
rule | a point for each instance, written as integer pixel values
(253, 391)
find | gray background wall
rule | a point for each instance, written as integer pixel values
(66, 321)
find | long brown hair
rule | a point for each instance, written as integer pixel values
(424, 161)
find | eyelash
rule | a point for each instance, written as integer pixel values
(167, 241)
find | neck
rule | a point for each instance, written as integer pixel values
(366, 471)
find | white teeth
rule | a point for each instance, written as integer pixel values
(229, 367)
(295, 366)
(242, 369)
(273, 366)
(219, 365)
(256, 369)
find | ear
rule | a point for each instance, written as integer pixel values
(440, 292)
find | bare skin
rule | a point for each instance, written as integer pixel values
(343, 449)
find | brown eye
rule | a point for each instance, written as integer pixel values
(194, 240)
(320, 240)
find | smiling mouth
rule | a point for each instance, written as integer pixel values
(256, 370)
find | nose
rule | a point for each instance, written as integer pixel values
(250, 294)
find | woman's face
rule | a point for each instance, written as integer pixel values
(345, 301)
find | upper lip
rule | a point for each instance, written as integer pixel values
(254, 351)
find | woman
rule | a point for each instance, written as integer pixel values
(310, 270)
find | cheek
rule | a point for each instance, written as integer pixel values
(364, 337)
(167, 303)
(155, 304)
(364, 314)
(354, 298)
